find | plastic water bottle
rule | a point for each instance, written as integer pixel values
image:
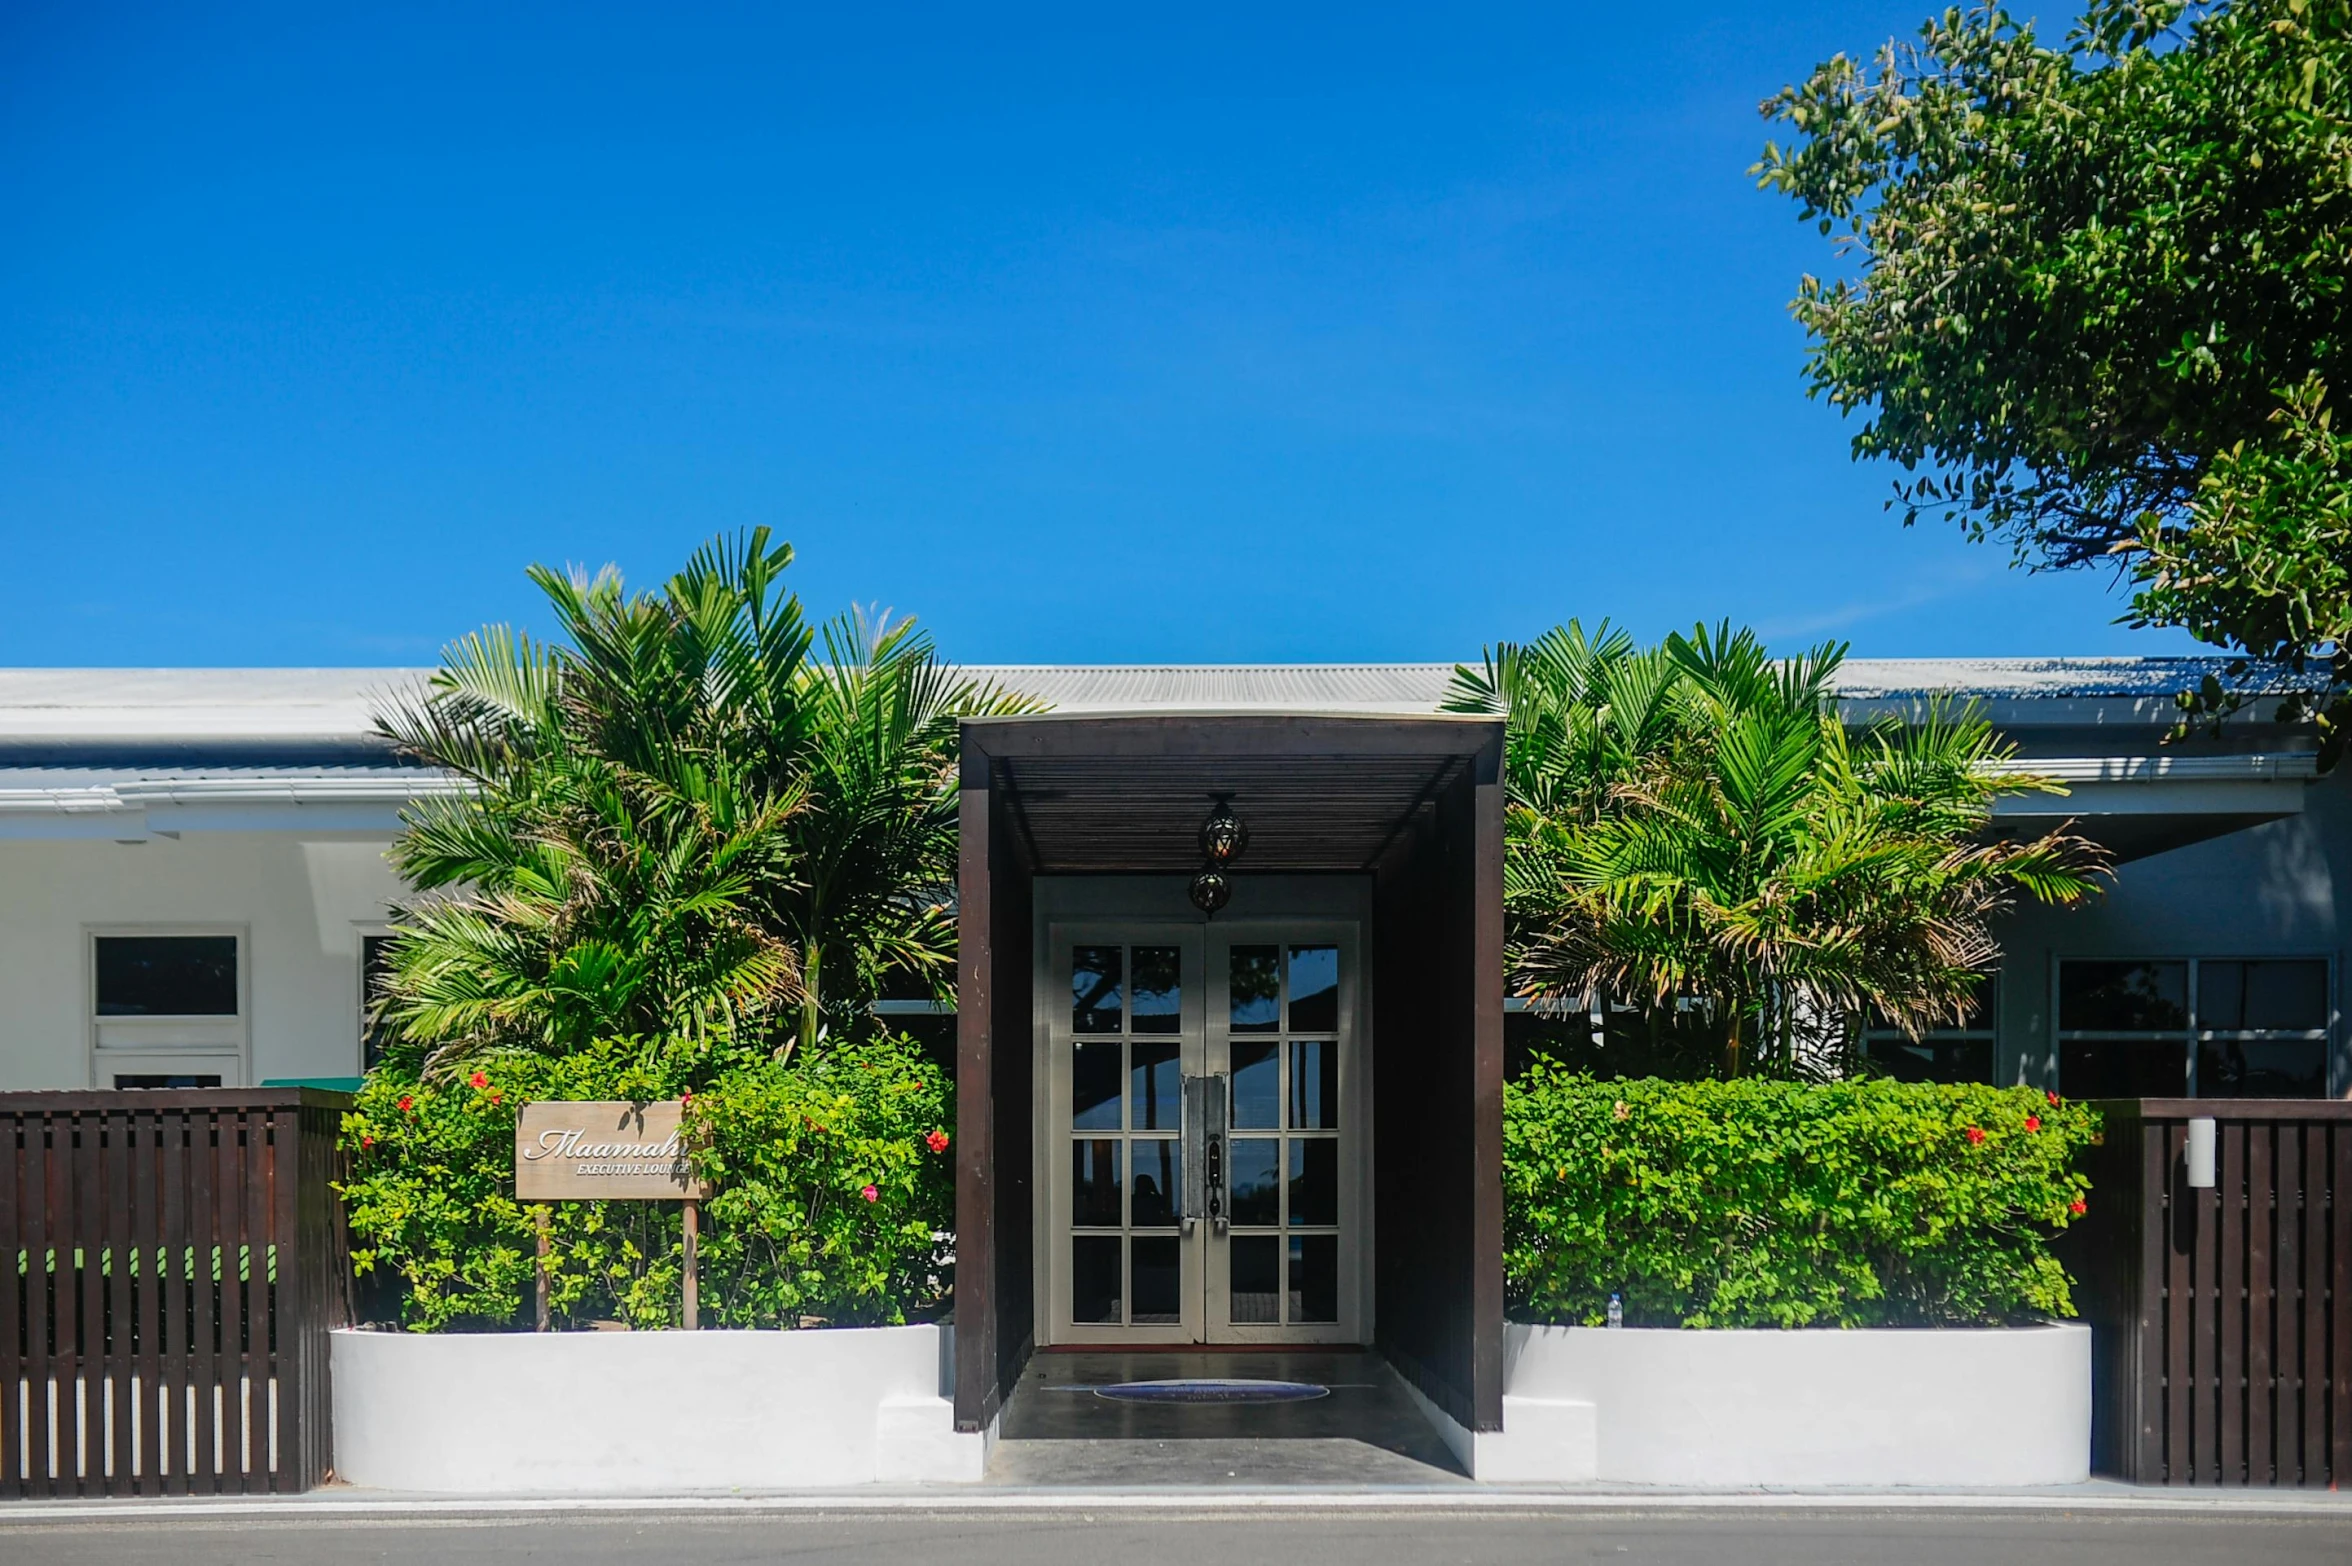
(1616, 1312)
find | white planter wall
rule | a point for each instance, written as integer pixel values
(620, 1412)
(1881, 1407)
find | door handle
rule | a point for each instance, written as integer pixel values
(1204, 1152)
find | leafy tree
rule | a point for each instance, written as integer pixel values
(676, 822)
(2097, 303)
(1692, 830)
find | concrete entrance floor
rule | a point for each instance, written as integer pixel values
(1055, 1431)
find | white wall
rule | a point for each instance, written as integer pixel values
(301, 904)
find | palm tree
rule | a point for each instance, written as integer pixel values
(1693, 829)
(678, 819)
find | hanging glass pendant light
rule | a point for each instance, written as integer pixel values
(1223, 836)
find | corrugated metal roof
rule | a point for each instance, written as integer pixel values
(58, 708)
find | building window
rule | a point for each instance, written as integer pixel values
(167, 975)
(375, 966)
(1962, 1052)
(167, 1079)
(2194, 1027)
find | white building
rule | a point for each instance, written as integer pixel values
(192, 864)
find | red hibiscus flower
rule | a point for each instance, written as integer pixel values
(2078, 1207)
(497, 1095)
(870, 1194)
(686, 1097)
(2052, 1097)
(1975, 1135)
(366, 1141)
(407, 1104)
(2033, 1122)
(936, 1141)
(478, 1080)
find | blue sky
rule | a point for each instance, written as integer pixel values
(1212, 334)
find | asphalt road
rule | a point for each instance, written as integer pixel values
(1796, 1538)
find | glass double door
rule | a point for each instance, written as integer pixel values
(1203, 1181)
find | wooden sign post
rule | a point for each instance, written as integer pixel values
(608, 1151)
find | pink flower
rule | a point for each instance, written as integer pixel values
(2033, 1122)
(936, 1141)
(686, 1097)
(1975, 1135)
(871, 1194)
(478, 1080)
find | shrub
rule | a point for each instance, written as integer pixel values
(1759, 1203)
(833, 1186)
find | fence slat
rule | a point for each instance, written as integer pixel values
(2240, 1284)
(229, 1229)
(147, 1298)
(174, 1343)
(110, 1397)
(2262, 1271)
(40, 1303)
(12, 1313)
(80, 1189)
(2311, 1377)
(2335, 1221)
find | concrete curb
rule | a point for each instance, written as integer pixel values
(344, 1503)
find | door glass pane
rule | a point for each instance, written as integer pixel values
(1158, 1264)
(1254, 1263)
(1253, 1196)
(1314, 1085)
(1094, 1277)
(1314, 1277)
(1094, 1183)
(1257, 1085)
(1314, 1181)
(1159, 1183)
(1257, 989)
(1155, 1086)
(1158, 989)
(2261, 1068)
(1094, 1088)
(2123, 997)
(1314, 989)
(1094, 989)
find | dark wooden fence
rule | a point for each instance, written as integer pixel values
(2222, 1316)
(172, 1264)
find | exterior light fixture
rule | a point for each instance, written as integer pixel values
(1222, 838)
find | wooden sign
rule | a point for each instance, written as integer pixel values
(602, 1152)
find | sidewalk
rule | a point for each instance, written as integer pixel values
(2098, 1496)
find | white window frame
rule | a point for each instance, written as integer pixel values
(168, 1045)
(362, 932)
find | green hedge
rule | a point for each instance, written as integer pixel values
(1779, 1204)
(834, 1186)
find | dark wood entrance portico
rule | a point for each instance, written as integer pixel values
(1412, 806)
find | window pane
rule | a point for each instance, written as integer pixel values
(1155, 1086)
(2123, 997)
(1254, 1277)
(1159, 1280)
(375, 967)
(2123, 1068)
(1314, 1085)
(167, 975)
(1257, 989)
(1314, 1277)
(1314, 989)
(1094, 1277)
(2288, 996)
(1094, 1088)
(1253, 1195)
(1159, 1183)
(1094, 1183)
(1094, 989)
(2262, 1068)
(166, 1079)
(1314, 1182)
(1159, 974)
(1931, 1060)
(1257, 1085)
